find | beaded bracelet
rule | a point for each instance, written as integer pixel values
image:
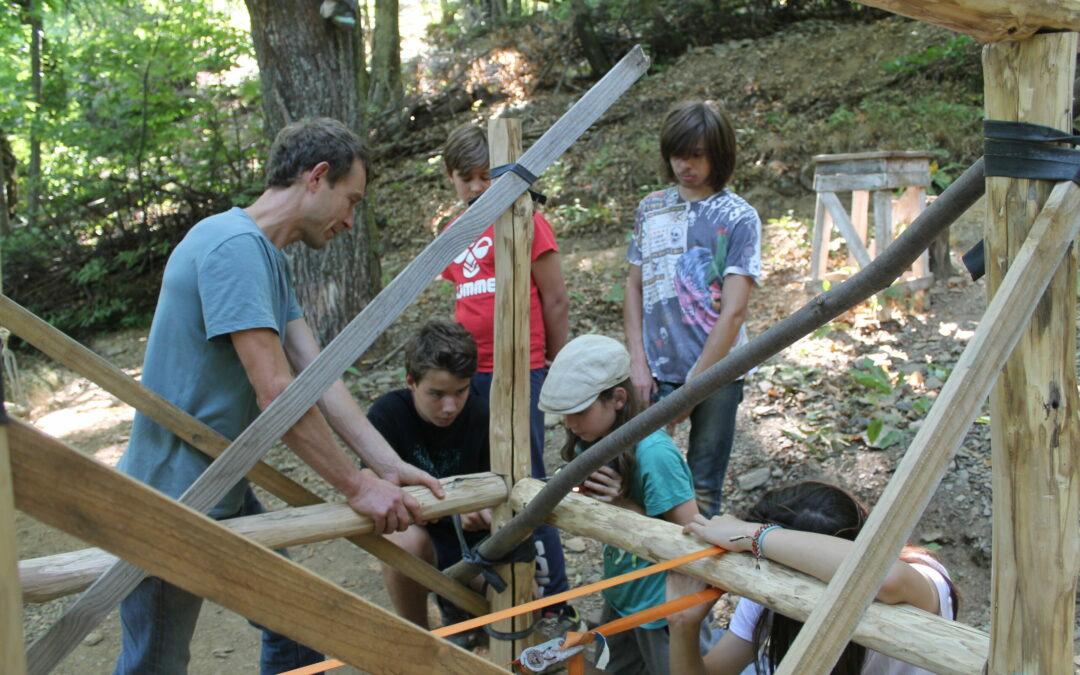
(759, 539)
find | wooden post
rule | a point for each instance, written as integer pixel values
(12, 650)
(819, 250)
(900, 631)
(510, 387)
(860, 218)
(1033, 408)
(64, 489)
(58, 346)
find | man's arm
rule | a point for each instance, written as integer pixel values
(554, 302)
(640, 375)
(310, 438)
(348, 420)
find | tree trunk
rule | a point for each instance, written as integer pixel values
(595, 53)
(308, 68)
(34, 173)
(940, 265)
(5, 221)
(386, 55)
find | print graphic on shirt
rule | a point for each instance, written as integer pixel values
(663, 242)
(471, 257)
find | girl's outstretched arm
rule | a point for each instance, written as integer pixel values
(818, 555)
(729, 656)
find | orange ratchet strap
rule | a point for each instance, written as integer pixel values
(651, 614)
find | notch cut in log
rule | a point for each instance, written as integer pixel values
(66, 490)
(989, 20)
(54, 576)
(900, 631)
(66, 351)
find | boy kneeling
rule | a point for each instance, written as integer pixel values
(435, 425)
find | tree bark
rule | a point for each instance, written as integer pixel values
(34, 172)
(5, 221)
(386, 55)
(309, 68)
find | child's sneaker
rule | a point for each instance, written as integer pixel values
(557, 621)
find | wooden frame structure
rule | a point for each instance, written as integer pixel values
(870, 177)
(1026, 335)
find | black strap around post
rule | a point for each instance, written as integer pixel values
(1022, 150)
(522, 173)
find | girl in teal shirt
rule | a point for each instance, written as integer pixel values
(588, 384)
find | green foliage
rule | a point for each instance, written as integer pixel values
(146, 128)
(955, 52)
(871, 376)
(879, 435)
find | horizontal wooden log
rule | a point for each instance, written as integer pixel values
(54, 576)
(68, 352)
(989, 20)
(900, 631)
(890, 180)
(60, 487)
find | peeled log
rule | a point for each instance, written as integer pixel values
(900, 631)
(54, 576)
(989, 20)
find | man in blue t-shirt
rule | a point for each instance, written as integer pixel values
(226, 338)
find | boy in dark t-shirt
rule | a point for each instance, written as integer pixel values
(435, 424)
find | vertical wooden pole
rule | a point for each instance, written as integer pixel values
(819, 250)
(510, 385)
(12, 650)
(860, 218)
(1033, 407)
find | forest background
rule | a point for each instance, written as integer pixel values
(123, 123)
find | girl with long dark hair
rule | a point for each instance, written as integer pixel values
(809, 527)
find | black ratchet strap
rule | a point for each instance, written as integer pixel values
(1022, 150)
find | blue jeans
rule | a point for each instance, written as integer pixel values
(712, 434)
(550, 563)
(158, 619)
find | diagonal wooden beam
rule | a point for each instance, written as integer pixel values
(990, 20)
(250, 446)
(12, 655)
(900, 631)
(58, 575)
(843, 223)
(60, 487)
(70, 353)
(889, 525)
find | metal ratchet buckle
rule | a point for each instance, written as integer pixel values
(540, 657)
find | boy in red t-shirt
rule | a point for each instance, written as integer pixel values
(473, 275)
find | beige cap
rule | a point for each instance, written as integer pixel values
(586, 366)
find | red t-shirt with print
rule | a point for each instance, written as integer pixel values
(473, 276)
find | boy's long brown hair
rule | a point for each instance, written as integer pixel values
(693, 121)
(626, 463)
